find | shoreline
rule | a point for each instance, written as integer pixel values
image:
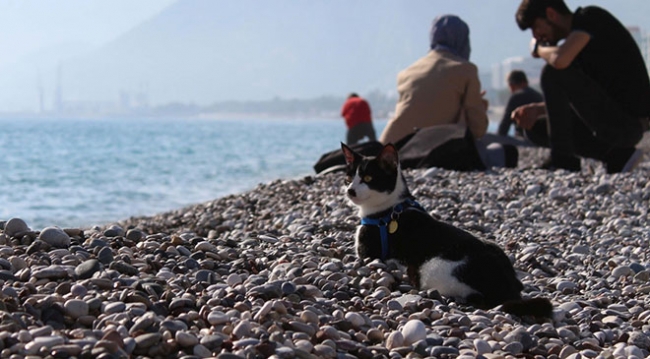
(272, 271)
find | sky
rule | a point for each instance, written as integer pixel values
(29, 26)
(37, 29)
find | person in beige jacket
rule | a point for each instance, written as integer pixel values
(440, 88)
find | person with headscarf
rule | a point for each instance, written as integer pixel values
(440, 88)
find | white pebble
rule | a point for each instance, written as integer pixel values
(413, 331)
(186, 339)
(233, 280)
(355, 319)
(76, 308)
(395, 340)
(217, 318)
(482, 347)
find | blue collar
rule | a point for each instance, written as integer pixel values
(384, 221)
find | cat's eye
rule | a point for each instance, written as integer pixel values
(367, 178)
(348, 179)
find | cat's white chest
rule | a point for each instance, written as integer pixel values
(437, 274)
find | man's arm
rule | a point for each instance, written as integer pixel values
(504, 125)
(506, 120)
(561, 57)
(345, 108)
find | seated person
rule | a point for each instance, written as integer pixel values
(441, 88)
(520, 94)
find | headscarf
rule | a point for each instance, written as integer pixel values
(450, 33)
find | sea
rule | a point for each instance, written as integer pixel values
(82, 172)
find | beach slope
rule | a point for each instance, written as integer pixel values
(273, 272)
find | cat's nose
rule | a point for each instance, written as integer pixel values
(352, 193)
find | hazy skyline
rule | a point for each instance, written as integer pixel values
(37, 35)
(33, 26)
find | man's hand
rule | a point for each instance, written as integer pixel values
(525, 116)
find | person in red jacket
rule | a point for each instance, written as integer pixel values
(358, 119)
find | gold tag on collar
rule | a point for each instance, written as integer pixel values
(392, 226)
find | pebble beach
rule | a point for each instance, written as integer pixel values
(272, 272)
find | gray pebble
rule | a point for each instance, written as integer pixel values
(514, 348)
(55, 237)
(134, 235)
(15, 226)
(76, 308)
(114, 231)
(115, 307)
(186, 339)
(147, 340)
(105, 255)
(86, 269)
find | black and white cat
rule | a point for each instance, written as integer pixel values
(437, 255)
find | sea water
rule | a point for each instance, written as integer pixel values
(82, 172)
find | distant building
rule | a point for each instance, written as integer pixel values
(41, 94)
(498, 77)
(486, 79)
(58, 91)
(486, 84)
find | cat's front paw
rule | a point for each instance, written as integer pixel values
(413, 273)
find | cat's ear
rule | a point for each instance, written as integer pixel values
(388, 158)
(349, 154)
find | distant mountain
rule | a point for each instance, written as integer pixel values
(205, 51)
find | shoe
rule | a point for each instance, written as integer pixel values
(501, 155)
(621, 160)
(633, 161)
(561, 162)
(511, 155)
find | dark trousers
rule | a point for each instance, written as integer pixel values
(358, 132)
(582, 119)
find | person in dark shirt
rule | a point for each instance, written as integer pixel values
(595, 85)
(521, 94)
(358, 119)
